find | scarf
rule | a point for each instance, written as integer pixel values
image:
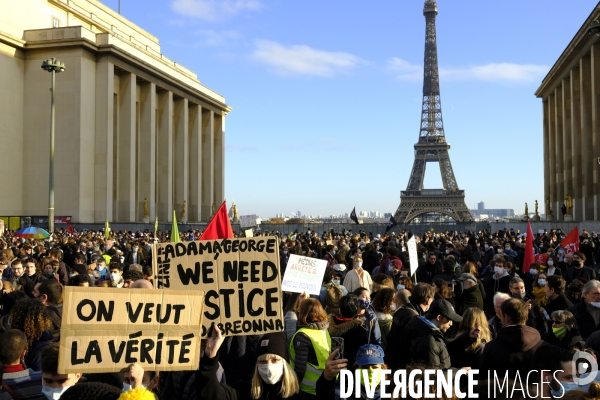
(540, 295)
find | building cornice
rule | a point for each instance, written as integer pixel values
(576, 49)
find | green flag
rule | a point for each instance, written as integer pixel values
(107, 230)
(174, 229)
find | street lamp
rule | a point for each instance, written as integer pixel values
(53, 66)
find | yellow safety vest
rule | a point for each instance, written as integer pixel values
(321, 342)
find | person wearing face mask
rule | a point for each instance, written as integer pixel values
(49, 292)
(328, 281)
(538, 284)
(115, 279)
(578, 270)
(552, 264)
(329, 255)
(17, 380)
(557, 371)
(420, 299)
(534, 318)
(513, 348)
(273, 378)
(367, 314)
(53, 383)
(137, 255)
(587, 312)
(358, 277)
(470, 294)
(100, 271)
(556, 299)
(564, 333)
(499, 281)
(391, 265)
(487, 256)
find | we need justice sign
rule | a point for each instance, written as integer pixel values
(240, 277)
(106, 330)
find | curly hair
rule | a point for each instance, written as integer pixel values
(31, 317)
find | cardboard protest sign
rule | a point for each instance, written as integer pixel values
(303, 274)
(240, 277)
(412, 254)
(105, 330)
(249, 233)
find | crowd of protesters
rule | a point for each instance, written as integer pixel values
(469, 304)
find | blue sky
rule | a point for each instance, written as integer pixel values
(326, 95)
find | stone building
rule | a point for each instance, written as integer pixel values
(570, 96)
(131, 124)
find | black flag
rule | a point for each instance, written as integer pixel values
(391, 224)
(353, 215)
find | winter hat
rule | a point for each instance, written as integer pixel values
(274, 343)
(91, 390)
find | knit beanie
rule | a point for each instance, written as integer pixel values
(91, 390)
(274, 343)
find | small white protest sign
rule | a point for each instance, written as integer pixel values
(412, 253)
(303, 274)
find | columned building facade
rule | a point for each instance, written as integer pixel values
(570, 96)
(133, 128)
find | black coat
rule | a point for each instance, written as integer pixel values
(584, 274)
(571, 339)
(370, 260)
(427, 272)
(559, 303)
(585, 321)
(511, 351)
(469, 298)
(493, 286)
(427, 345)
(396, 355)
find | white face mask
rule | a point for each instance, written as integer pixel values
(359, 264)
(596, 304)
(485, 246)
(126, 386)
(71, 275)
(271, 373)
(53, 393)
(550, 263)
(337, 282)
(115, 277)
(498, 270)
(400, 287)
(542, 282)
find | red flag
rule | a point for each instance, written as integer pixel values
(219, 227)
(571, 242)
(541, 259)
(70, 229)
(528, 259)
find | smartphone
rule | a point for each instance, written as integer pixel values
(338, 343)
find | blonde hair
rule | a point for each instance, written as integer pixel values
(289, 381)
(474, 317)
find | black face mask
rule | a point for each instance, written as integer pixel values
(576, 263)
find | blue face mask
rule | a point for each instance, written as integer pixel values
(337, 282)
(53, 394)
(400, 287)
(364, 303)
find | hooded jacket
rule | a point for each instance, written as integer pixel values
(428, 344)
(470, 297)
(492, 285)
(511, 351)
(584, 319)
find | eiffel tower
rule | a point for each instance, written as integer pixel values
(432, 146)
